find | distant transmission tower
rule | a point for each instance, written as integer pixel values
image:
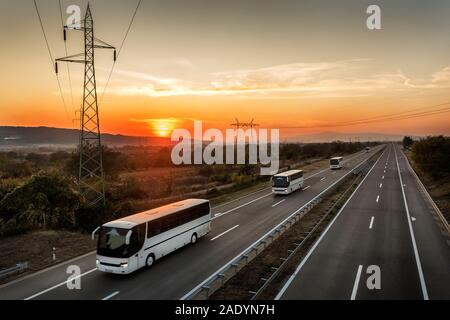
(243, 125)
(91, 182)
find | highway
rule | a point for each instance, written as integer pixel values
(386, 243)
(236, 225)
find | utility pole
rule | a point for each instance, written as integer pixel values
(91, 182)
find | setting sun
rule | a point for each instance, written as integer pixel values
(162, 127)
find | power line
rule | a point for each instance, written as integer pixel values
(120, 50)
(68, 68)
(51, 58)
(388, 117)
(399, 113)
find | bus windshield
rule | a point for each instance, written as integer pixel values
(112, 243)
(334, 162)
(280, 182)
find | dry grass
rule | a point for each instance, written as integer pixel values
(36, 248)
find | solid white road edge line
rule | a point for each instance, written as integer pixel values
(356, 284)
(310, 252)
(225, 232)
(68, 262)
(218, 215)
(421, 185)
(295, 212)
(411, 231)
(93, 252)
(59, 285)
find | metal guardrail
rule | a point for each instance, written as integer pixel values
(218, 279)
(20, 267)
(427, 195)
(307, 236)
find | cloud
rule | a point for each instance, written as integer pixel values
(441, 77)
(350, 78)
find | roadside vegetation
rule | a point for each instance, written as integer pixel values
(38, 189)
(430, 158)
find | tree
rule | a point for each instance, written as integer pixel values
(432, 156)
(407, 142)
(45, 200)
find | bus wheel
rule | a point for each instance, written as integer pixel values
(194, 238)
(150, 260)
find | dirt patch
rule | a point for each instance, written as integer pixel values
(36, 248)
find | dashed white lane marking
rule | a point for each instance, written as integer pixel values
(224, 233)
(280, 202)
(381, 185)
(378, 198)
(323, 179)
(356, 284)
(382, 178)
(59, 285)
(322, 236)
(371, 222)
(413, 219)
(306, 188)
(111, 295)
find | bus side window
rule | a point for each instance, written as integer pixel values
(154, 227)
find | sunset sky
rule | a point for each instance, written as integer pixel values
(296, 63)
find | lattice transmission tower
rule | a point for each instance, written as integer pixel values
(91, 182)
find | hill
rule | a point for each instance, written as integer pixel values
(44, 136)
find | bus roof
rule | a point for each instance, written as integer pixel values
(288, 173)
(153, 214)
(337, 158)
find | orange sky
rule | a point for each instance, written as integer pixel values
(285, 64)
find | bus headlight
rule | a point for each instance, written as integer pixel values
(124, 265)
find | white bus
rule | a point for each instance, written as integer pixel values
(130, 243)
(287, 182)
(336, 163)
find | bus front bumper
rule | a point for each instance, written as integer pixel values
(112, 265)
(280, 191)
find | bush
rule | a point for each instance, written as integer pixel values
(432, 156)
(131, 189)
(44, 201)
(407, 142)
(88, 219)
(14, 169)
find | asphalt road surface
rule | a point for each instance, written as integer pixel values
(237, 224)
(386, 243)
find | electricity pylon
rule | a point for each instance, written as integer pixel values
(242, 125)
(91, 182)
